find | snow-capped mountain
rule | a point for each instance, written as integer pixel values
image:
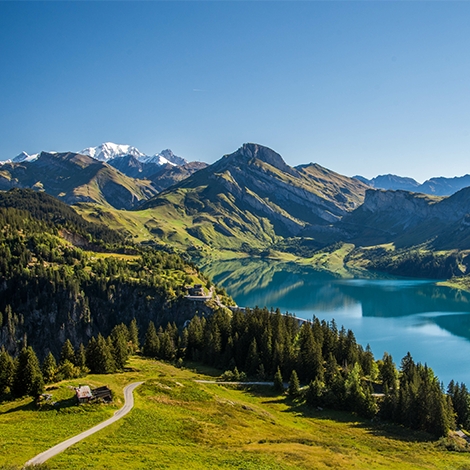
(24, 157)
(109, 150)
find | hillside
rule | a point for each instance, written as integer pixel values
(62, 277)
(409, 219)
(179, 423)
(252, 196)
(74, 178)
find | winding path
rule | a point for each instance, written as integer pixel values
(57, 449)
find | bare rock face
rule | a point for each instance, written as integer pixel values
(401, 205)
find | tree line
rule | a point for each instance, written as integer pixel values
(25, 375)
(337, 372)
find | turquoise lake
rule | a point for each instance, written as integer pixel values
(391, 314)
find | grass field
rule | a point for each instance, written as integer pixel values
(180, 424)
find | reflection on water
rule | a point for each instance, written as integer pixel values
(393, 315)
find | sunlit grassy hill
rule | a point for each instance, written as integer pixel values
(179, 423)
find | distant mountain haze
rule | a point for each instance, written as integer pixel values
(439, 186)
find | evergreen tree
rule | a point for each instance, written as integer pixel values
(134, 335)
(28, 377)
(310, 361)
(387, 372)
(152, 343)
(278, 382)
(80, 357)
(294, 385)
(7, 369)
(196, 329)
(49, 368)
(252, 359)
(120, 350)
(354, 393)
(314, 394)
(167, 345)
(461, 403)
(67, 353)
(99, 357)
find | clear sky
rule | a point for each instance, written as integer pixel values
(359, 87)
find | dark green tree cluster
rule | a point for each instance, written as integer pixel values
(419, 401)
(107, 355)
(337, 372)
(56, 215)
(65, 285)
(21, 376)
(461, 402)
(25, 376)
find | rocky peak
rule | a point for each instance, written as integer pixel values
(251, 151)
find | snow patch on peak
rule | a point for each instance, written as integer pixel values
(163, 158)
(24, 157)
(109, 150)
(157, 159)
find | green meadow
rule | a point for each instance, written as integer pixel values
(178, 423)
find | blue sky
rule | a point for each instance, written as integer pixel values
(358, 87)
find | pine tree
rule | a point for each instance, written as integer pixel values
(314, 394)
(252, 359)
(167, 344)
(294, 385)
(134, 335)
(28, 377)
(67, 353)
(99, 357)
(152, 343)
(7, 369)
(80, 357)
(49, 368)
(387, 372)
(278, 382)
(120, 349)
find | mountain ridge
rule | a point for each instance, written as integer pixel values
(438, 185)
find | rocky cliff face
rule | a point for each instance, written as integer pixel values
(409, 219)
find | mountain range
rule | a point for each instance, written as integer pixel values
(252, 201)
(113, 175)
(438, 186)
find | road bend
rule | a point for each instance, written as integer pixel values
(57, 449)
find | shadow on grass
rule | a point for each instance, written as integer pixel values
(44, 406)
(199, 368)
(375, 426)
(29, 406)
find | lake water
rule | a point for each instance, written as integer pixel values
(391, 314)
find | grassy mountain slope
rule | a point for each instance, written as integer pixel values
(252, 196)
(178, 423)
(76, 178)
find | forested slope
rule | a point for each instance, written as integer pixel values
(63, 278)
